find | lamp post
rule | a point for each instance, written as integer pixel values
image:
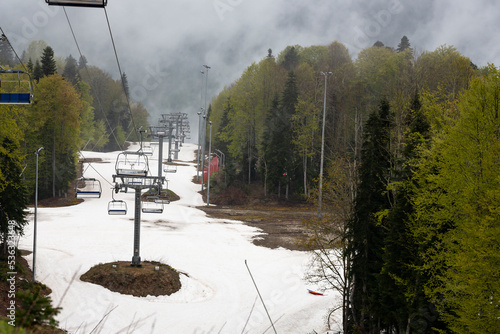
(320, 196)
(198, 166)
(205, 115)
(37, 153)
(199, 147)
(209, 162)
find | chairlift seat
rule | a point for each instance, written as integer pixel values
(15, 98)
(88, 188)
(16, 86)
(117, 207)
(147, 150)
(132, 164)
(152, 207)
(170, 169)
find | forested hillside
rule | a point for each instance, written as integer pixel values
(76, 106)
(410, 224)
(410, 221)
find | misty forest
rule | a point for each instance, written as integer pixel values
(408, 231)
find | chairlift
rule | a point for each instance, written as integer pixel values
(117, 207)
(152, 205)
(15, 86)
(147, 149)
(130, 163)
(88, 188)
(78, 3)
(170, 169)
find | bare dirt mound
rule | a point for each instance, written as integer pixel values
(152, 278)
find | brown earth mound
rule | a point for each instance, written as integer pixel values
(152, 278)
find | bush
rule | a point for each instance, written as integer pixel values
(35, 309)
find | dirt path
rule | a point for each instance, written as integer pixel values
(282, 226)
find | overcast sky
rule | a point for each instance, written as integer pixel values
(162, 44)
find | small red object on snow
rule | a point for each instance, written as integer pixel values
(315, 293)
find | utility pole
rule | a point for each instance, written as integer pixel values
(36, 207)
(320, 199)
(204, 130)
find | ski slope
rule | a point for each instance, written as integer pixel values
(217, 294)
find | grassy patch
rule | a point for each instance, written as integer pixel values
(152, 278)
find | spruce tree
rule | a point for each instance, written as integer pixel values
(291, 59)
(37, 71)
(48, 62)
(6, 54)
(404, 44)
(401, 283)
(125, 85)
(365, 236)
(82, 62)
(71, 70)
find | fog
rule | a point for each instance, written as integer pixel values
(162, 44)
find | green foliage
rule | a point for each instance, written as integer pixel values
(34, 309)
(55, 125)
(457, 213)
(6, 328)
(13, 196)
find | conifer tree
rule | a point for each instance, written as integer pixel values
(126, 88)
(82, 62)
(71, 70)
(6, 54)
(48, 62)
(37, 71)
(365, 235)
(404, 44)
(291, 59)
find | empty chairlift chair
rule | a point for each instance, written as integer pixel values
(152, 205)
(170, 169)
(117, 207)
(130, 163)
(147, 149)
(15, 87)
(88, 188)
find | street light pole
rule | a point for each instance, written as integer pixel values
(199, 147)
(205, 115)
(37, 153)
(320, 198)
(209, 162)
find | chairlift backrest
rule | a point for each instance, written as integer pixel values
(88, 188)
(152, 207)
(130, 163)
(15, 87)
(147, 150)
(78, 3)
(117, 207)
(170, 169)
